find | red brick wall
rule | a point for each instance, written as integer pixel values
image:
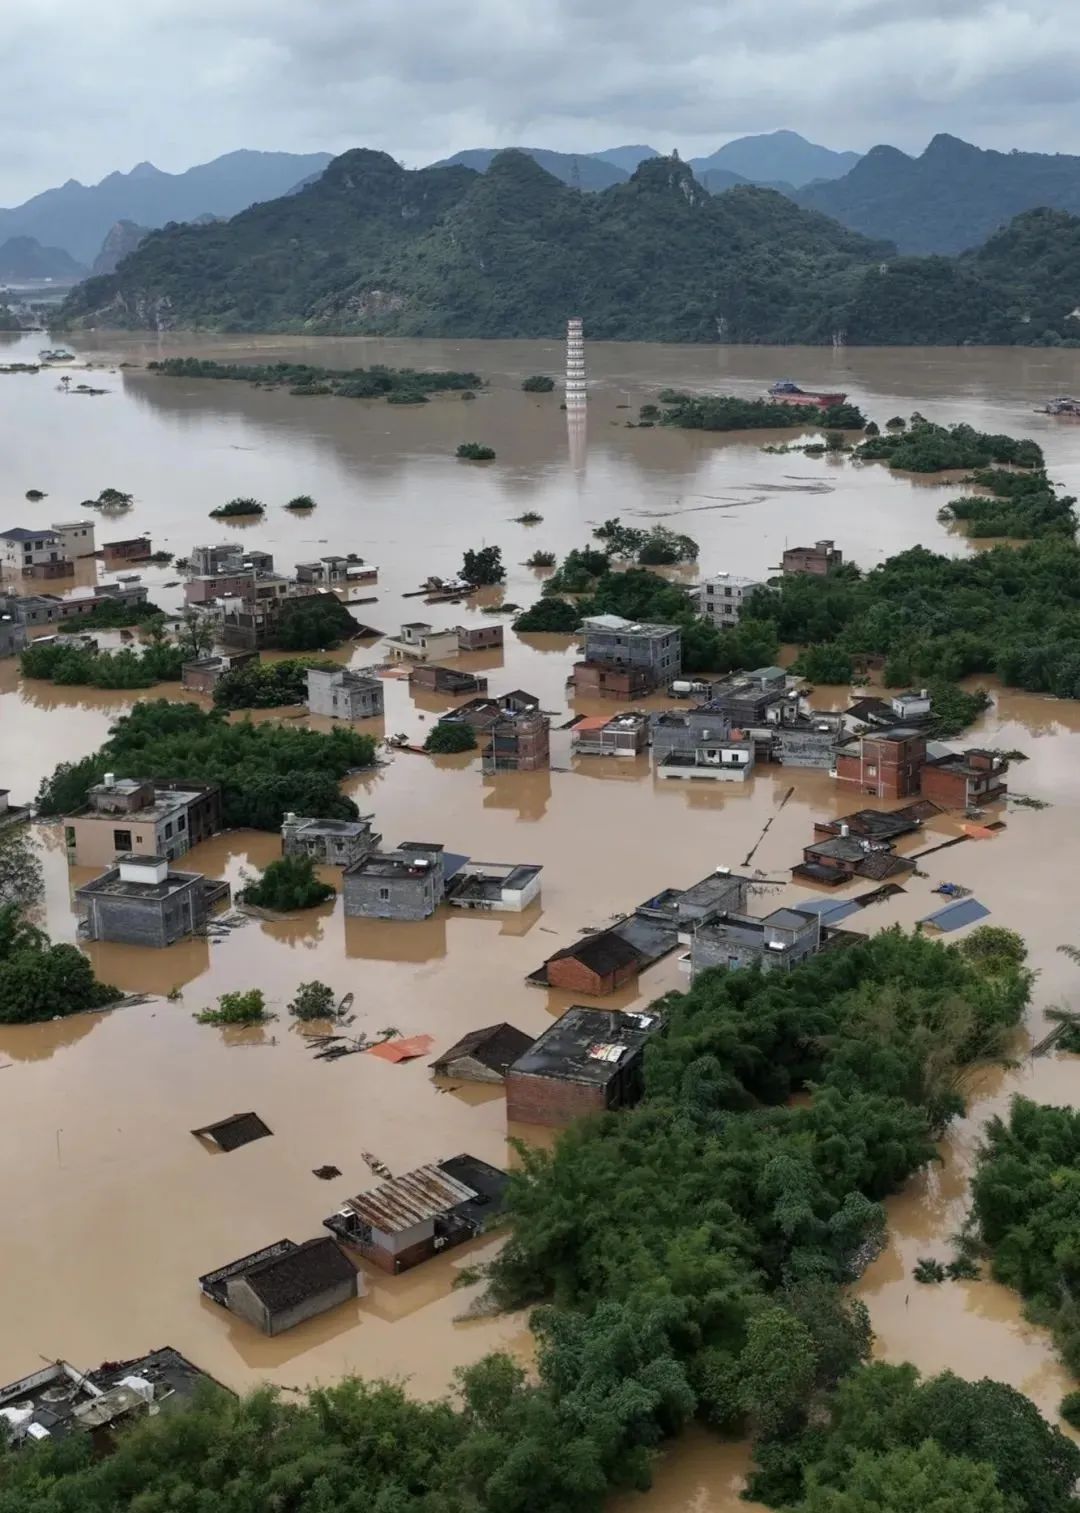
(567, 972)
(550, 1100)
(949, 789)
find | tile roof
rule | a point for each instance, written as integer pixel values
(495, 1047)
(282, 1281)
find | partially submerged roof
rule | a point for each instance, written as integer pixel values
(284, 1280)
(964, 912)
(237, 1130)
(602, 953)
(409, 1200)
(406, 1048)
(587, 1045)
(830, 910)
(495, 1046)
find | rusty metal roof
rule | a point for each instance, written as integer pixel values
(410, 1199)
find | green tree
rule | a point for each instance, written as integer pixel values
(287, 884)
(22, 880)
(549, 615)
(779, 1368)
(922, 1480)
(237, 1008)
(483, 566)
(475, 451)
(450, 736)
(539, 383)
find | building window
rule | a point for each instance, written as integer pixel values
(384, 895)
(121, 840)
(871, 770)
(69, 835)
(181, 823)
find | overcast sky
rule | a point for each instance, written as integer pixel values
(88, 88)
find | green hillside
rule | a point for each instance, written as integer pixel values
(374, 248)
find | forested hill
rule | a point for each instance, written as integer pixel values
(953, 196)
(374, 248)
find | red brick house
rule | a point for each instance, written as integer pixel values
(596, 964)
(603, 680)
(886, 764)
(965, 779)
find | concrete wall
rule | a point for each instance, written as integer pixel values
(12, 637)
(77, 539)
(734, 949)
(406, 897)
(329, 693)
(138, 922)
(661, 656)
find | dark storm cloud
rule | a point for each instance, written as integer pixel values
(88, 89)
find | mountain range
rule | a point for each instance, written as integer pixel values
(371, 247)
(951, 197)
(776, 160)
(24, 260)
(77, 217)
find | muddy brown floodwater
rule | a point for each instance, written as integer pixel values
(112, 1209)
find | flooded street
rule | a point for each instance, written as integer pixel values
(112, 1208)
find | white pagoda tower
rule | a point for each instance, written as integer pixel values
(576, 393)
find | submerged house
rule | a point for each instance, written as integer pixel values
(589, 1060)
(142, 902)
(483, 1055)
(843, 857)
(404, 884)
(503, 887)
(965, 779)
(775, 943)
(333, 843)
(621, 735)
(726, 760)
(415, 1216)
(343, 694)
(60, 1400)
(284, 1284)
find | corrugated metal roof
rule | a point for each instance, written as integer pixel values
(965, 912)
(832, 910)
(410, 1199)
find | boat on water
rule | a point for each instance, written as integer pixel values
(1064, 405)
(56, 354)
(786, 391)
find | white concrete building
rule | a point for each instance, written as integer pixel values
(417, 641)
(76, 537)
(20, 549)
(720, 598)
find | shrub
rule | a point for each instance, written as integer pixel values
(238, 507)
(301, 502)
(541, 559)
(539, 383)
(237, 1008)
(551, 615)
(313, 1000)
(473, 451)
(483, 567)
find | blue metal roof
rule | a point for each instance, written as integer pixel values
(832, 910)
(964, 912)
(453, 862)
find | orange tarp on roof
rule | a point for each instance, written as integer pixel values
(402, 1050)
(979, 832)
(593, 722)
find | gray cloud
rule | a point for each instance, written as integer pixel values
(93, 88)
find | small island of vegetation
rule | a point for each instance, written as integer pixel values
(483, 566)
(474, 451)
(301, 502)
(376, 382)
(234, 507)
(538, 383)
(924, 447)
(70, 666)
(726, 412)
(312, 622)
(288, 884)
(449, 737)
(237, 1008)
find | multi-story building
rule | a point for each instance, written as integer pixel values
(775, 944)
(445, 679)
(227, 569)
(884, 763)
(518, 743)
(817, 559)
(728, 759)
(343, 694)
(34, 554)
(141, 816)
(203, 674)
(417, 641)
(335, 571)
(720, 598)
(623, 735)
(76, 537)
(655, 650)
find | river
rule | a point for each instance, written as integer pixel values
(113, 1209)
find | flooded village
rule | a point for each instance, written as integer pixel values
(292, 1202)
